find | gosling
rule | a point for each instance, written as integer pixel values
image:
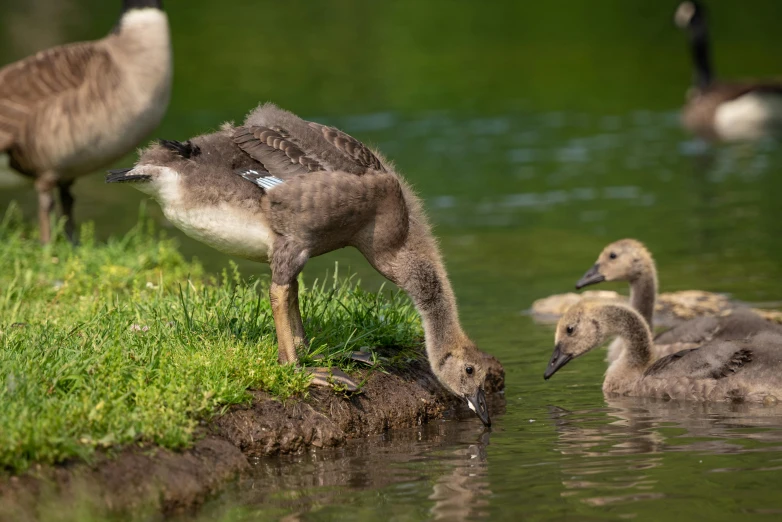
(629, 260)
(281, 190)
(745, 371)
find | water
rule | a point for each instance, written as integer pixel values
(536, 134)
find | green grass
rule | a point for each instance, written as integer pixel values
(103, 345)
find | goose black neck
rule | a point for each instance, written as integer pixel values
(701, 54)
(127, 5)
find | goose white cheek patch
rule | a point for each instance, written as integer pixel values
(469, 403)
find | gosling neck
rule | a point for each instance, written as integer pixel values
(425, 280)
(643, 292)
(630, 326)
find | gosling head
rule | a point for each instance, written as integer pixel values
(159, 169)
(623, 260)
(463, 372)
(578, 331)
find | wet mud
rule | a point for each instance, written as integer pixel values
(147, 478)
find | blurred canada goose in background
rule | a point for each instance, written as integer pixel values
(281, 190)
(629, 260)
(69, 110)
(747, 371)
(738, 111)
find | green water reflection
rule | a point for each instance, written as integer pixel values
(537, 132)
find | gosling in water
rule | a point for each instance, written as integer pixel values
(629, 260)
(748, 370)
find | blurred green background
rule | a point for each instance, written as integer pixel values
(537, 132)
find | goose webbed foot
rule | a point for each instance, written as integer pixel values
(332, 377)
(363, 357)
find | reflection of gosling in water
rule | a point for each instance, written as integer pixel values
(748, 371)
(629, 260)
(463, 493)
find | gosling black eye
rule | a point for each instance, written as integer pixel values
(612, 255)
(570, 330)
(469, 370)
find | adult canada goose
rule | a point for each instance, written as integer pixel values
(737, 111)
(629, 260)
(281, 190)
(749, 370)
(69, 110)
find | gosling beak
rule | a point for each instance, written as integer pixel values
(558, 360)
(591, 277)
(477, 403)
(125, 175)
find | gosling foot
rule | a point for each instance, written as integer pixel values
(363, 357)
(332, 377)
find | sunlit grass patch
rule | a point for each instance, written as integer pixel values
(105, 344)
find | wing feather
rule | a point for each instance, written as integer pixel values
(350, 146)
(275, 151)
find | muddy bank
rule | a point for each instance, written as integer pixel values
(157, 480)
(396, 400)
(144, 479)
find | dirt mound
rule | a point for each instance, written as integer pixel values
(394, 400)
(141, 478)
(154, 479)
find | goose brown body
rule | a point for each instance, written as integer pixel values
(746, 370)
(69, 110)
(281, 190)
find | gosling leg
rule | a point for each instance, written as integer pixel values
(297, 325)
(284, 318)
(279, 295)
(288, 260)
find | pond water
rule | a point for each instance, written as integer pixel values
(536, 133)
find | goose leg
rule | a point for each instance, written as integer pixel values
(286, 263)
(297, 325)
(281, 300)
(279, 297)
(45, 186)
(66, 200)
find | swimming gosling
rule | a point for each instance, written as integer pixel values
(748, 371)
(746, 110)
(69, 110)
(629, 260)
(281, 190)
